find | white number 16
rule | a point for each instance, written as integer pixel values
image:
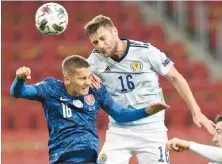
(67, 112)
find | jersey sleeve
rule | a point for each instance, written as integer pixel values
(213, 154)
(38, 91)
(44, 88)
(159, 61)
(115, 110)
(93, 61)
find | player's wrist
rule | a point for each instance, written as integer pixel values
(19, 78)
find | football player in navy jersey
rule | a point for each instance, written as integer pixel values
(71, 109)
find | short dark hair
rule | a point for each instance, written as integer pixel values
(73, 62)
(99, 21)
(218, 118)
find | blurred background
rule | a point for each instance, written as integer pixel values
(190, 33)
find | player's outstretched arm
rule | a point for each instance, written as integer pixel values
(213, 154)
(184, 90)
(123, 115)
(18, 88)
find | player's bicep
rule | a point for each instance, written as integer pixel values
(173, 74)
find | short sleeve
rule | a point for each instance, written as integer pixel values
(159, 61)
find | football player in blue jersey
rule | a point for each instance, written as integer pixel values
(71, 109)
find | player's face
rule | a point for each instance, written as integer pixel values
(218, 136)
(80, 81)
(105, 40)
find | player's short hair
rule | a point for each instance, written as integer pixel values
(73, 62)
(99, 21)
(218, 118)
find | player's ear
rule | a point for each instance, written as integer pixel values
(115, 31)
(66, 80)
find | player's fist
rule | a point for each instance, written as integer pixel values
(23, 73)
(177, 145)
(156, 107)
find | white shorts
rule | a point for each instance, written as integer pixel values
(120, 144)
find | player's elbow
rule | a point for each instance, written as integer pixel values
(13, 93)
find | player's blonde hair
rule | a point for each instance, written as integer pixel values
(73, 62)
(92, 26)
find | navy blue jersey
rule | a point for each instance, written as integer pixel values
(71, 120)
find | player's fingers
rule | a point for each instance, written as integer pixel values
(163, 105)
(96, 78)
(197, 123)
(207, 124)
(213, 123)
(211, 128)
(24, 72)
(174, 146)
(93, 85)
(19, 73)
(28, 77)
(28, 71)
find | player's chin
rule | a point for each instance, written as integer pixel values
(85, 91)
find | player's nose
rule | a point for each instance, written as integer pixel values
(101, 46)
(88, 82)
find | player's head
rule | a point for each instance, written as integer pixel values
(77, 75)
(218, 136)
(102, 34)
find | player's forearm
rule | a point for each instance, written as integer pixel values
(20, 90)
(123, 115)
(185, 92)
(213, 154)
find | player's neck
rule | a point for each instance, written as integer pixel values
(121, 48)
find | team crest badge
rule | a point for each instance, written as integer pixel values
(102, 158)
(136, 66)
(77, 103)
(89, 99)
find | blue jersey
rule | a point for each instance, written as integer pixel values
(72, 120)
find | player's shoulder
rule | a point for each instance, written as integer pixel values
(96, 56)
(139, 44)
(50, 81)
(143, 45)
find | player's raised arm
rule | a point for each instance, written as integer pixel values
(123, 115)
(184, 90)
(18, 88)
(164, 66)
(211, 153)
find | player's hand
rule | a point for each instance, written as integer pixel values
(156, 107)
(95, 83)
(23, 73)
(201, 120)
(177, 145)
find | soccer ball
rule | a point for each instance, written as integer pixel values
(51, 19)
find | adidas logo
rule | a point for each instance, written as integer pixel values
(107, 69)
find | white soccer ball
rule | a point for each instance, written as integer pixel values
(51, 19)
